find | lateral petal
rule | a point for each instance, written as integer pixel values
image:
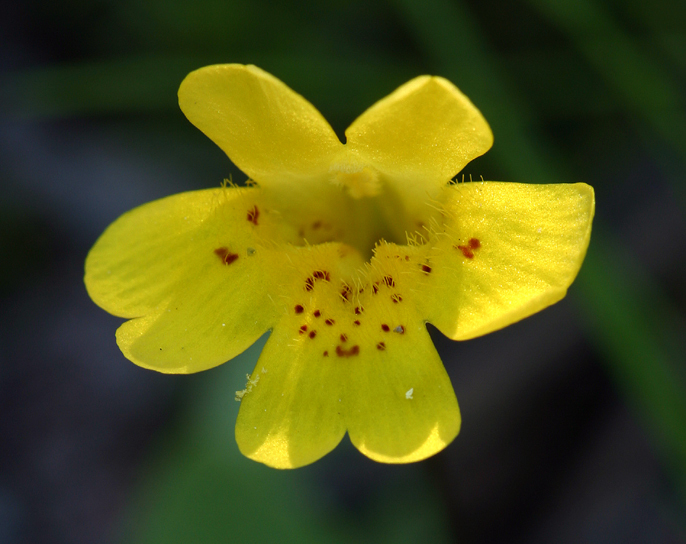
(508, 251)
(191, 269)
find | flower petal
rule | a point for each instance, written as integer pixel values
(509, 250)
(290, 414)
(401, 405)
(421, 135)
(350, 352)
(191, 269)
(270, 132)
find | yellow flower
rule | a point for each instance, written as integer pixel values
(344, 252)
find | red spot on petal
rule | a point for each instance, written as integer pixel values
(321, 275)
(253, 215)
(303, 329)
(326, 354)
(355, 350)
(225, 255)
(358, 310)
(344, 338)
(375, 287)
(381, 346)
(329, 322)
(317, 313)
(316, 225)
(313, 334)
(346, 291)
(466, 251)
(396, 298)
(309, 284)
(299, 309)
(388, 280)
(426, 269)
(357, 322)
(385, 327)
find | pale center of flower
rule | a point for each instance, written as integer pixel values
(354, 204)
(359, 181)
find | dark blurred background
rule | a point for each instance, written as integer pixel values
(574, 420)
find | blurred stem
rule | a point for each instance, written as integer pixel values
(623, 319)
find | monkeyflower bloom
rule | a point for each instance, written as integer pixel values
(344, 252)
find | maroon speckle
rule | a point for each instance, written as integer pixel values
(375, 287)
(468, 250)
(329, 322)
(316, 225)
(253, 215)
(399, 329)
(303, 329)
(358, 310)
(381, 346)
(345, 292)
(225, 255)
(426, 269)
(321, 275)
(355, 350)
(299, 309)
(313, 334)
(309, 284)
(326, 354)
(396, 298)
(385, 327)
(344, 338)
(407, 257)
(357, 322)
(317, 313)
(388, 280)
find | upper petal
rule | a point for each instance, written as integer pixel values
(269, 131)
(421, 135)
(508, 251)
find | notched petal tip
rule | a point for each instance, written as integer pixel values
(402, 407)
